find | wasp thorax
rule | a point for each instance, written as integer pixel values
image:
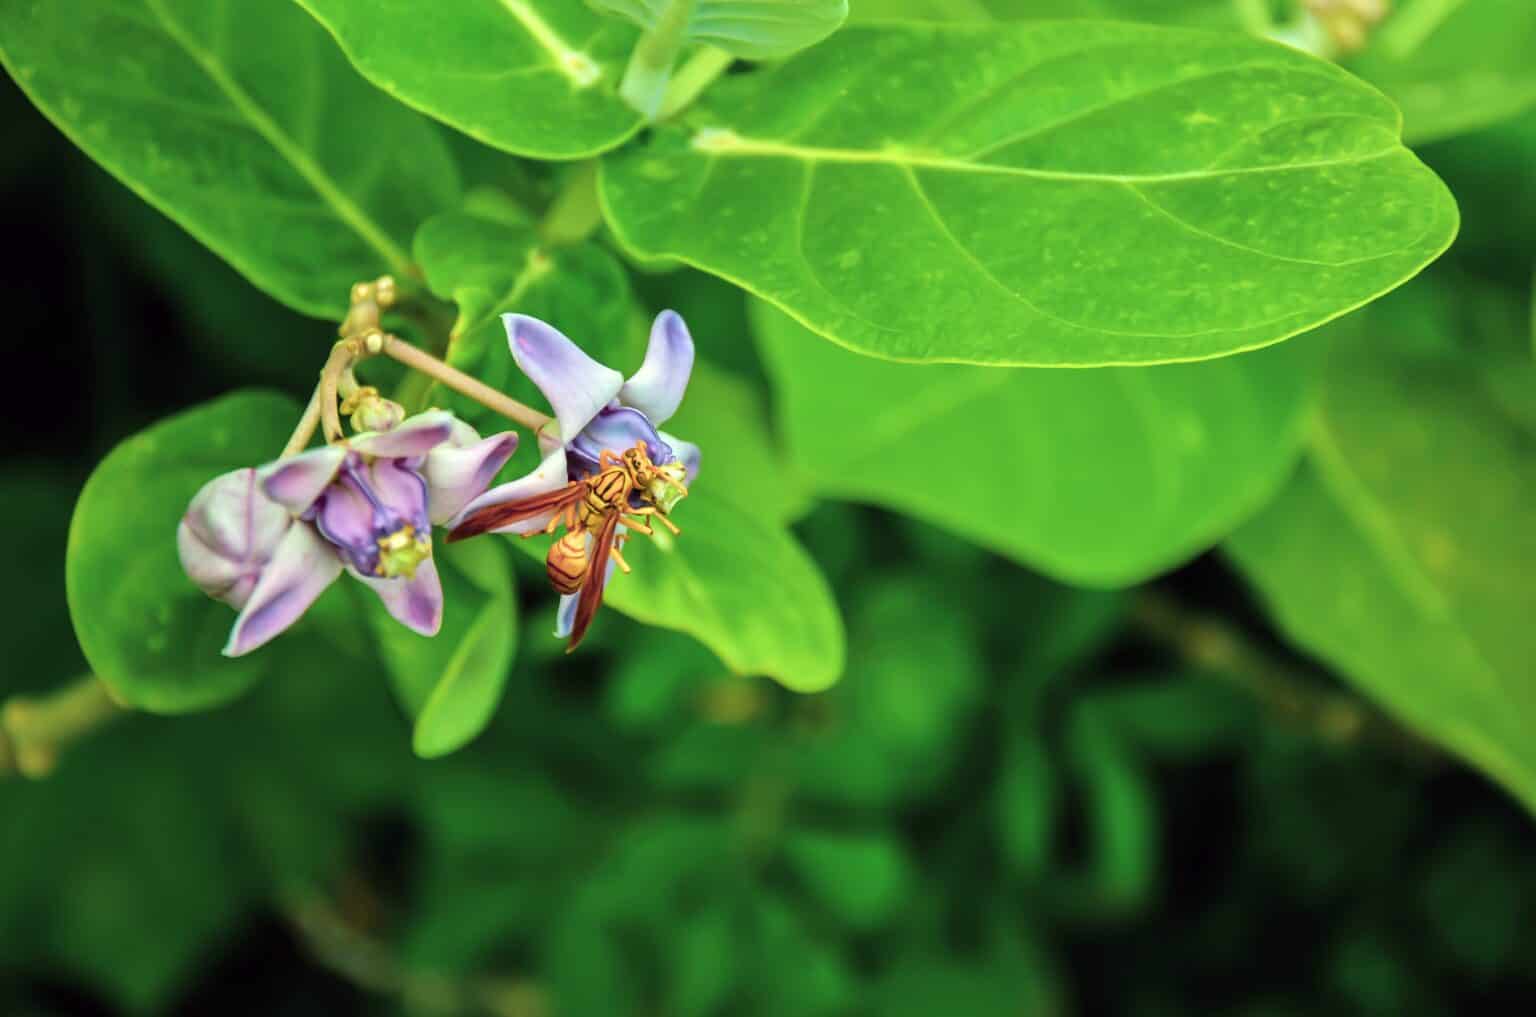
(401, 552)
(566, 562)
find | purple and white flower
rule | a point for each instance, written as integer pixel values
(595, 410)
(269, 541)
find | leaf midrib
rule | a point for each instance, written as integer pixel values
(725, 143)
(327, 189)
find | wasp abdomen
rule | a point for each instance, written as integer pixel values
(567, 561)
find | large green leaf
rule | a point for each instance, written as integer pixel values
(1101, 477)
(242, 123)
(534, 77)
(451, 683)
(736, 580)
(1403, 551)
(753, 29)
(147, 632)
(739, 583)
(1041, 194)
(1451, 65)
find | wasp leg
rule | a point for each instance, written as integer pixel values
(654, 513)
(634, 522)
(619, 558)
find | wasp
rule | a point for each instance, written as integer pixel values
(627, 488)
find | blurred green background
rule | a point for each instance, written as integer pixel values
(1022, 798)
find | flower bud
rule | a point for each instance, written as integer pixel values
(229, 534)
(372, 412)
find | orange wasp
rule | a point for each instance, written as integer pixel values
(591, 510)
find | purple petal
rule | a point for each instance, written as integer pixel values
(417, 602)
(415, 437)
(686, 452)
(345, 517)
(613, 430)
(229, 533)
(295, 482)
(565, 615)
(549, 475)
(457, 475)
(402, 492)
(299, 572)
(657, 388)
(575, 385)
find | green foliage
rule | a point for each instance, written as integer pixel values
(1399, 554)
(534, 77)
(753, 29)
(1194, 447)
(741, 585)
(1049, 189)
(147, 632)
(452, 682)
(297, 173)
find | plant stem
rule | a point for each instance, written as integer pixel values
(1220, 648)
(697, 74)
(306, 426)
(575, 213)
(650, 65)
(462, 383)
(342, 356)
(34, 730)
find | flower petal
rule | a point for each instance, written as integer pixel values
(417, 602)
(549, 475)
(402, 492)
(686, 452)
(575, 385)
(615, 429)
(345, 517)
(657, 388)
(456, 475)
(296, 481)
(229, 533)
(303, 566)
(414, 437)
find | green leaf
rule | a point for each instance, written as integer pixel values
(242, 124)
(742, 586)
(146, 630)
(1048, 194)
(452, 682)
(751, 29)
(1454, 65)
(861, 878)
(534, 77)
(1402, 552)
(1101, 477)
(730, 414)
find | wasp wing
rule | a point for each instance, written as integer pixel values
(591, 596)
(493, 517)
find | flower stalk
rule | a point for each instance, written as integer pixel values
(650, 65)
(34, 730)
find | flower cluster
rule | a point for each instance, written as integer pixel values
(269, 540)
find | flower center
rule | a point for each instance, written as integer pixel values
(401, 552)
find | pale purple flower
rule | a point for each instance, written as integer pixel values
(367, 505)
(596, 409)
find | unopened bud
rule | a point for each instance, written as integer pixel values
(228, 536)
